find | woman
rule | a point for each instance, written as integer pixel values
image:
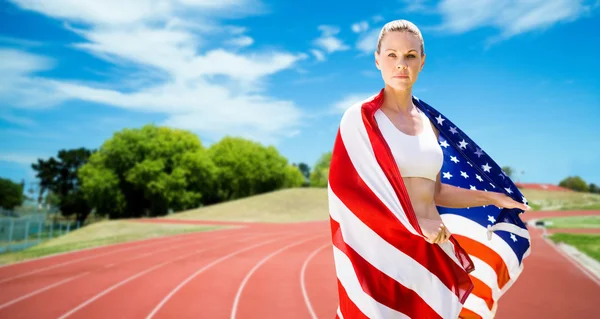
(413, 139)
(393, 256)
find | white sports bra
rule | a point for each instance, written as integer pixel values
(416, 156)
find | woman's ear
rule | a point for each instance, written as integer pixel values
(376, 60)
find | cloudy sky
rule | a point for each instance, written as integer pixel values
(520, 77)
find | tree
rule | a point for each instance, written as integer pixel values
(509, 171)
(575, 183)
(294, 177)
(247, 168)
(320, 174)
(147, 172)
(11, 193)
(305, 169)
(593, 188)
(60, 177)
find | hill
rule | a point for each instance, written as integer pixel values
(286, 205)
(310, 204)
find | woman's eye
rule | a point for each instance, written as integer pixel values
(411, 56)
(392, 55)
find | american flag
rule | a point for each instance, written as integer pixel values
(384, 266)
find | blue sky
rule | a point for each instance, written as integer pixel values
(519, 77)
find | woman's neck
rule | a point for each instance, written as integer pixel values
(397, 100)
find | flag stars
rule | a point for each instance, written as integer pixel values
(486, 167)
(509, 190)
(478, 152)
(464, 174)
(524, 200)
(463, 144)
(478, 177)
(444, 144)
(513, 237)
(454, 159)
(447, 175)
(491, 219)
(453, 130)
(473, 188)
(439, 119)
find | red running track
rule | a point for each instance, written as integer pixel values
(251, 271)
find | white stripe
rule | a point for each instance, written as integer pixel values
(393, 262)
(339, 313)
(487, 275)
(512, 228)
(478, 306)
(369, 306)
(463, 226)
(356, 141)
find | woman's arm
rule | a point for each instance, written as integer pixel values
(457, 197)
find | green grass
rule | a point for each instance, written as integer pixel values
(101, 233)
(588, 244)
(557, 200)
(574, 222)
(287, 205)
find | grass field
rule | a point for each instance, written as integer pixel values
(574, 222)
(101, 233)
(588, 244)
(287, 205)
(554, 200)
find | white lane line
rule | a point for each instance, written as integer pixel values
(188, 279)
(302, 279)
(31, 294)
(85, 258)
(182, 236)
(139, 274)
(236, 300)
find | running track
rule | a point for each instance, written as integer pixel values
(252, 271)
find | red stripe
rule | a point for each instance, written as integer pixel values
(358, 197)
(468, 314)
(347, 307)
(487, 255)
(483, 291)
(380, 286)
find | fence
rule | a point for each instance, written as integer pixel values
(21, 232)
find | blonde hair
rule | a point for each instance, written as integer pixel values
(398, 26)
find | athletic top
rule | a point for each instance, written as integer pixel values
(416, 156)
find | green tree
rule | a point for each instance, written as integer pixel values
(11, 194)
(60, 177)
(509, 171)
(575, 183)
(293, 177)
(247, 168)
(593, 188)
(320, 174)
(147, 172)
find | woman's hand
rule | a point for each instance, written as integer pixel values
(504, 201)
(434, 230)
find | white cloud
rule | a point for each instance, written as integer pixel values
(242, 41)
(196, 85)
(359, 27)
(320, 56)
(367, 42)
(347, 101)
(328, 40)
(23, 159)
(511, 17)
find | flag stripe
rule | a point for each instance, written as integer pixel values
(379, 285)
(468, 314)
(478, 306)
(346, 307)
(487, 275)
(483, 291)
(365, 305)
(488, 256)
(345, 184)
(361, 156)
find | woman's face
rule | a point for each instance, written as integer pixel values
(399, 59)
